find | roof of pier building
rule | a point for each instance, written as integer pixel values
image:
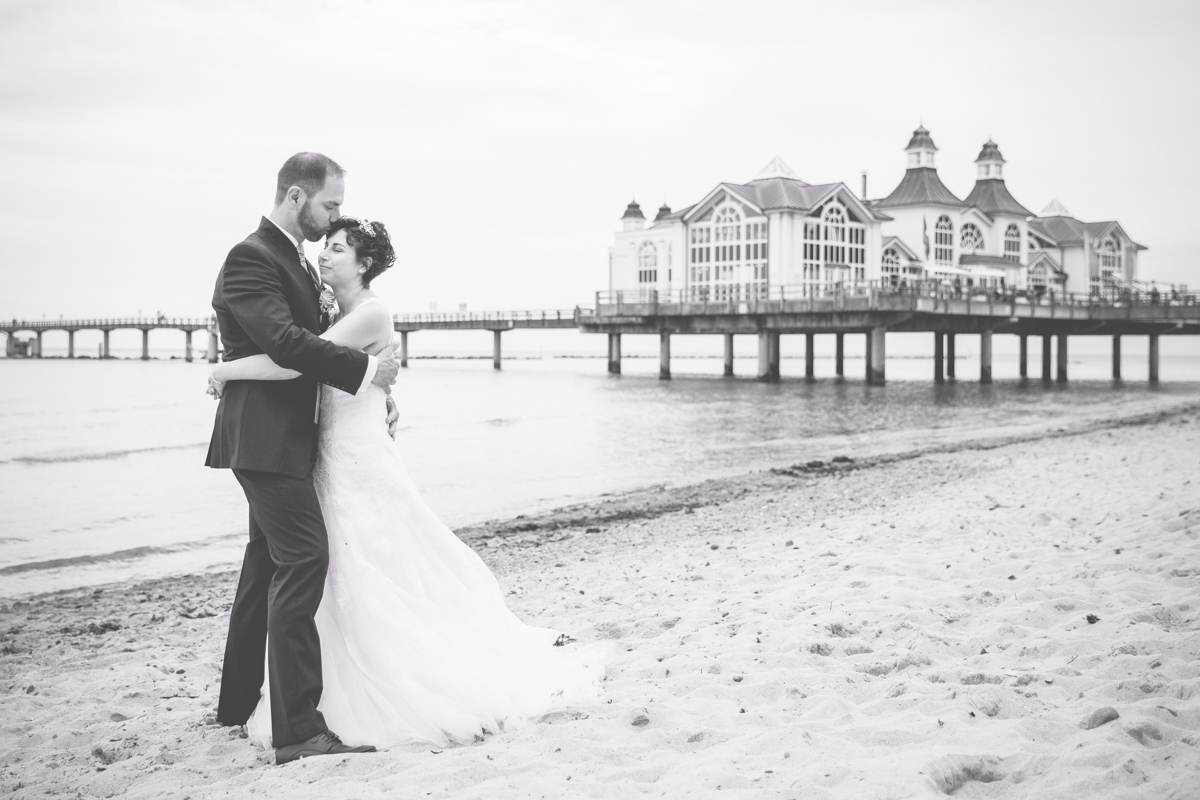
(1064, 231)
(776, 188)
(921, 186)
(633, 211)
(992, 197)
(896, 243)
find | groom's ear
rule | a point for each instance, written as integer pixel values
(294, 194)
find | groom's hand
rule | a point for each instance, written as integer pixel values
(389, 367)
(393, 417)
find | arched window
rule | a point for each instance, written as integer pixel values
(726, 224)
(971, 240)
(648, 263)
(890, 266)
(1012, 243)
(1110, 264)
(1037, 278)
(834, 220)
(943, 241)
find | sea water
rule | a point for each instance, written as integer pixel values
(102, 473)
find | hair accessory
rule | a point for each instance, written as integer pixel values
(366, 227)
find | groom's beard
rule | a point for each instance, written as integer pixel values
(308, 226)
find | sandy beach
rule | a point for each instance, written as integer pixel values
(1010, 617)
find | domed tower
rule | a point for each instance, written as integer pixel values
(663, 211)
(921, 185)
(990, 195)
(921, 149)
(989, 164)
(633, 219)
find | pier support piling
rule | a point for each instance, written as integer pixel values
(1116, 357)
(213, 346)
(1046, 373)
(876, 372)
(187, 350)
(39, 344)
(810, 355)
(1024, 356)
(840, 356)
(664, 355)
(985, 357)
(1062, 358)
(108, 353)
(729, 355)
(70, 344)
(495, 349)
(950, 362)
(768, 355)
(939, 357)
(1154, 358)
(404, 349)
(614, 354)
(145, 344)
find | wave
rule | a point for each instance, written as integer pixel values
(131, 554)
(68, 458)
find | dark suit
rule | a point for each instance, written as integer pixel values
(265, 432)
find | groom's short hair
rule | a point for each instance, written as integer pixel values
(308, 171)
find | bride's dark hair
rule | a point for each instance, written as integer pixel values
(369, 240)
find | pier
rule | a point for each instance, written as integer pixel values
(495, 321)
(188, 326)
(870, 310)
(874, 310)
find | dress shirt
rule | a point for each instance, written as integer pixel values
(372, 361)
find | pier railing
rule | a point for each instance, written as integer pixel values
(107, 323)
(748, 293)
(487, 316)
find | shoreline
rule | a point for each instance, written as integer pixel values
(650, 502)
(897, 626)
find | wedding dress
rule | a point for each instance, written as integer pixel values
(416, 641)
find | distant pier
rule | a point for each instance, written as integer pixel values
(187, 325)
(870, 310)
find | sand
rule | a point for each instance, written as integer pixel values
(1011, 618)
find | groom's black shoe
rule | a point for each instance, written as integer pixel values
(325, 743)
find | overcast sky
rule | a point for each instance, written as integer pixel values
(500, 141)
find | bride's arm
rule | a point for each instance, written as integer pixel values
(367, 329)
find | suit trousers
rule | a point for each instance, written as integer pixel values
(280, 588)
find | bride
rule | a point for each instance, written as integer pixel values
(416, 642)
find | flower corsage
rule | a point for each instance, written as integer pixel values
(328, 301)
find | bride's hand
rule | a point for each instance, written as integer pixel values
(393, 417)
(216, 388)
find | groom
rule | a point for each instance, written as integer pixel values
(267, 301)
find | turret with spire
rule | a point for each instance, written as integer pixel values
(990, 195)
(921, 185)
(921, 149)
(989, 164)
(633, 219)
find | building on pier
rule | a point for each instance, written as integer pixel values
(1094, 257)
(741, 240)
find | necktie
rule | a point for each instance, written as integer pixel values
(316, 279)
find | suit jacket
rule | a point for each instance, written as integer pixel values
(266, 304)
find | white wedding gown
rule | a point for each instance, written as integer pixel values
(417, 644)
